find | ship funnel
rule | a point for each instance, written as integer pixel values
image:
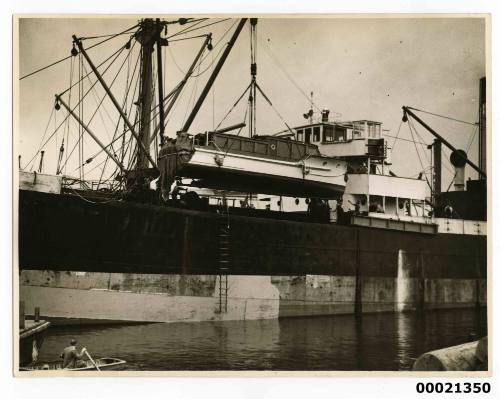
(458, 159)
(324, 115)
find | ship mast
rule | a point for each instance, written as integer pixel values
(253, 71)
(147, 37)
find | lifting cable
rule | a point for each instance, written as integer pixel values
(239, 131)
(274, 108)
(232, 108)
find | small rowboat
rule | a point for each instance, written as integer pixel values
(104, 363)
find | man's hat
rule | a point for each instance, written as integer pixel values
(73, 342)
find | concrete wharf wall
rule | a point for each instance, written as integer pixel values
(109, 297)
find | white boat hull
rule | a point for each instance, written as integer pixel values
(314, 176)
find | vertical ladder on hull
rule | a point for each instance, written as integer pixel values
(224, 249)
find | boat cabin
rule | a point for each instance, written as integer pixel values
(260, 146)
(345, 139)
(371, 188)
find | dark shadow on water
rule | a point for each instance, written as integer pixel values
(383, 341)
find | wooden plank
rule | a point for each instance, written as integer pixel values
(34, 181)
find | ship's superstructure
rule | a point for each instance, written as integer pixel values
(220, 225)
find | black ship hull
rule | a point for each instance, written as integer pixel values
(66, 234)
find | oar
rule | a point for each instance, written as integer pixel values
(92, 360)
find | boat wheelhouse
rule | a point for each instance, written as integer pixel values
(371, 188)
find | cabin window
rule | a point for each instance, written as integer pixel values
(340, 134)
(307, 135)
(358, 130)
(316, 134)
(328, 134)
(374, 130)
(300, 135)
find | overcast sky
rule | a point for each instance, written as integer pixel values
(362, 68)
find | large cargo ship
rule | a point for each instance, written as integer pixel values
(217, 226)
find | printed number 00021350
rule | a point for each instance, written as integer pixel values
(458, 387)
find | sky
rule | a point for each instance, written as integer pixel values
(359, 68)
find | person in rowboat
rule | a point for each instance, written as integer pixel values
(71, 357)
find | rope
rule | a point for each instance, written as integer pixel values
(92, 202)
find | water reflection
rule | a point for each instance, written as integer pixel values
(372, 342)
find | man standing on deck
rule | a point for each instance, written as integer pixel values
(71, 357)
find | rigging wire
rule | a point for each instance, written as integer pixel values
(187, 38)
(232, 108)
(274, 108)
(183, 31)
(211, 62)
(269, 52)
(58, 170)
(41, 141)
(397, 135)
(239, 131)
(115, 54)
(191, 97)
(99, 103)
(218, 42)
(401, 139)
(175, 62)
(69, 104)
(421, 144)
(78, 104)
(418, 154)
(197, 28)
(70, 56)
(124, 108)
(474, 132)
(444, 117)
(95, 112)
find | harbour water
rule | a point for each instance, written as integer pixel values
(385, 341)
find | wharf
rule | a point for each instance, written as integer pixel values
(31, 336)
